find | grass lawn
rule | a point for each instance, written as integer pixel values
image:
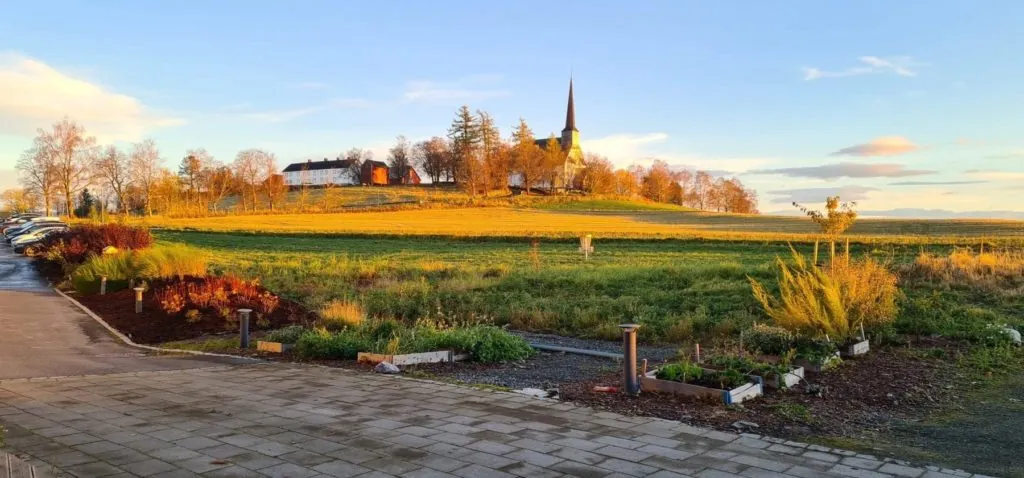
(523, 222)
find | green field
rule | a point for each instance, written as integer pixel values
(678, 289)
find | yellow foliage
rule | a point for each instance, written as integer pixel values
(995, 270)
(338, 314)
(831, 302)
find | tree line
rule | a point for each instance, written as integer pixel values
(66, 161)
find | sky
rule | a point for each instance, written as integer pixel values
(908, 108)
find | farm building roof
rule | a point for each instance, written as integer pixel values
(311, 165)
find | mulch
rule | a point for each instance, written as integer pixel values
(154, 325)
(865, 394)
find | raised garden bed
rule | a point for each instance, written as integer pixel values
(704, 386)
(273, 347)
(411, 359)
(856, 348)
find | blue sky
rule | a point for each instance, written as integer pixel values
(895, 104)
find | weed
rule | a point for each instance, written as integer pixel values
(793, 411)
(287, 335)
(338, 314)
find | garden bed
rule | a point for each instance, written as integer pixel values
(154, 325)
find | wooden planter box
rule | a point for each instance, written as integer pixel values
(650, 383)
(411, 359)
(817, 367)
(275, 347)
(789, 379)
(855, 349)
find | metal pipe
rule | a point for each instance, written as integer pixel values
(138, 299)
(243, 327)
(631, 384)
(571, 350)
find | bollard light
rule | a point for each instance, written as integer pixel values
(243, 327)
(103, 285)
(138, 299)
(631, 384)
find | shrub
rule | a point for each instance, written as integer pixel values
(287, 335)
(768, 339)
(831, 302)
(82, 241)
(490, 344)
(338, 314)
(160, 262)
(321, 344)
(221, 294)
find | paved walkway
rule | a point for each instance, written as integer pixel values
(44, 335)
(284, 420)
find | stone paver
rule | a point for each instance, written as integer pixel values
(292, 420)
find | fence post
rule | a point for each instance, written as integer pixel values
(631, 384)
(243, 327)
(138, 299)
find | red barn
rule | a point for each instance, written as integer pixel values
(374, 173)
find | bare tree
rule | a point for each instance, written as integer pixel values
(218, 182)
(433, 156)
(70, 151)
(112, 169)
(144, 168)
(249, 169)
(356, 157)
(38, 175)
(193, 165)
(273, 182)
(400, 160)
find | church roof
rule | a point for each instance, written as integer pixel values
(570, 112)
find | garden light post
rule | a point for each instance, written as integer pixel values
(103, 285)
(243, 327)
(586, 246)
(138, 299)
(631, 384)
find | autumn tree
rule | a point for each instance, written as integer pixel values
(38, 175)
(494, 167)
(144, 169)
(527, 157)
(195, 163)
(69, 150)
(554, 162)
(598, 176)
(250, 168)
(112, 168)
(18, 200)
(464, 135)
(400, 160)
(433, 156)
(626, 183)
(656, 184)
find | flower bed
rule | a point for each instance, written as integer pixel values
(728, 385)
(193, 307)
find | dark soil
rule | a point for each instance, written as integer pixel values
(154, 325)
(869, 393)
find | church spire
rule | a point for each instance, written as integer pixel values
(570, 112)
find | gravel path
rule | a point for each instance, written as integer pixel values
(548, 370)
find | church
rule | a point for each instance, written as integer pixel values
(570, 141)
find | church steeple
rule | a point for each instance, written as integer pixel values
(570, 113)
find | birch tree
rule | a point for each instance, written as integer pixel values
(112, 169)
(144, 169)
(70, 149)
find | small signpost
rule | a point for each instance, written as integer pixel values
(586, 246)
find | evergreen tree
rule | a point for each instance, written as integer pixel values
(494, 163)
(464, 135)
(85, 203)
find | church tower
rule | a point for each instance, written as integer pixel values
(570, 135)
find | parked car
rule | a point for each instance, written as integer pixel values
(28, 247)
(36, 233)
(14, 231)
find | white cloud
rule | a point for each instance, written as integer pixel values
(35, 95)
(992, 175)
(897, 65)
(628, 149)
(470, 88)
(281, 116)
(884, 146)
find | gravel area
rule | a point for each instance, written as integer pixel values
(649, 352)
(548, 370)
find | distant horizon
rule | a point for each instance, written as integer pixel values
(794, 101)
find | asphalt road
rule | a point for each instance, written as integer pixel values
(44, 335)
